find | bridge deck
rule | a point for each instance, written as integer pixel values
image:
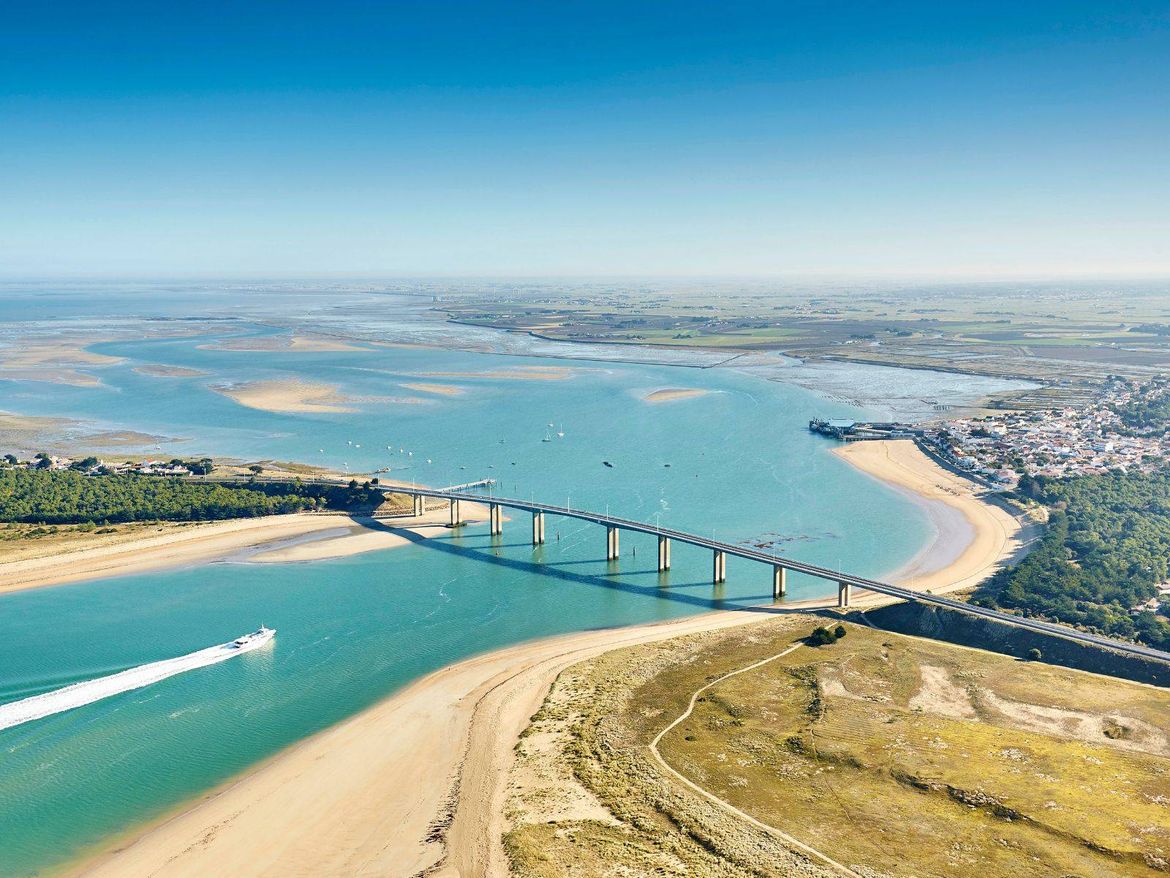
(750, 554)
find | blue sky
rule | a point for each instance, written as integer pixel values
(563, 138)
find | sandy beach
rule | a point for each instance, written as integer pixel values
(302, 343)
(302, 536)
(973, 535)
(418, 782)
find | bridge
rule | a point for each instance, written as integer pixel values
(455, 495)
(845, 582)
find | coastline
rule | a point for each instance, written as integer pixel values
(974, 534)
(416, 783)
(298, 536)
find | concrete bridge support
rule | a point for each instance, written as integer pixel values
(537, 528)
(420, 505)
(719, 567)
(495, 519)
(455, 516)
(844, 593)
(611, 543)
(663, 554)
(779, 581)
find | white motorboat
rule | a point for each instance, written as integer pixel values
(251, 641)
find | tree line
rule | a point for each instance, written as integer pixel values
(68, 497)
(1105, 549)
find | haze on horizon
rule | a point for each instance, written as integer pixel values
(748, 139)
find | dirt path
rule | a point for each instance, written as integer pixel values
(784, 837)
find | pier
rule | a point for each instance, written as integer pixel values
(846, 430)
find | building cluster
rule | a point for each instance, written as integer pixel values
(1070, 442)
(94, 466)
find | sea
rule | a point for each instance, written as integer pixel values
(736, 463)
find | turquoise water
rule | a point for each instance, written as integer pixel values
(351, 631)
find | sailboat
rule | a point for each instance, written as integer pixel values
(547, 437)
(561, 432)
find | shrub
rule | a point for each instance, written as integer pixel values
(821, 636)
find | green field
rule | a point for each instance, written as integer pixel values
(1070, 336)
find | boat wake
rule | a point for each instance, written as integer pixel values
(89, 691)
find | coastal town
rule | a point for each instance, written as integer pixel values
(1120, 430)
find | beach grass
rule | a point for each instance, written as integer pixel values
(894, 755)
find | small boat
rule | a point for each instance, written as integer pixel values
(561, 432)
(607, 463)
(252, 641)
(547, 437)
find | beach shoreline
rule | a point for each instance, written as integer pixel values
(417, 782)
(974, 532)
(295, 537)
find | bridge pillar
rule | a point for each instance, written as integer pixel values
(455, 518)
(663, 553)
(495, 519)
(779, 581)
(537, 528)
(844, 593)
(611, 543)
(719, 567)
(420, 505)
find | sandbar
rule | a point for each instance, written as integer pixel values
(668, 394)
(288, 396)
(160, 370)
(16, 429)
(515, 373)
(302, 343)
(441, 389)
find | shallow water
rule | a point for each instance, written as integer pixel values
(351, 631)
